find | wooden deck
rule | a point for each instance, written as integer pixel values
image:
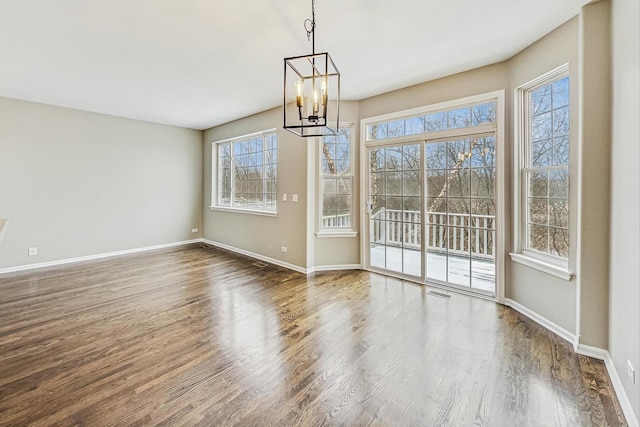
(199, 336)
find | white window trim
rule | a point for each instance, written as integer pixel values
(329, 233)
(336, 232)
(214, 177)
(546, 263)
(244, 211)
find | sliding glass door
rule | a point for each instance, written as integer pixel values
(432, 211)
(430, 180)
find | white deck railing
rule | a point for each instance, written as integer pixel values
(342, 220)
(467, 234)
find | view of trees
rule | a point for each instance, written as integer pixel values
(336, 179)
(548, 172)
(460, 180)
(254, 176)
(439, 121)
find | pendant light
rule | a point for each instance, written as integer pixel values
(311, 90)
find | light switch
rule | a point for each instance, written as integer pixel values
(284, 197)
(294, 197)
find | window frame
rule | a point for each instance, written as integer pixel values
(322, 231)
(546, 262)
(215, 175)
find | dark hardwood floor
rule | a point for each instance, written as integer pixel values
(200, 336)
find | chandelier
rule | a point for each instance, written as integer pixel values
(311, 90)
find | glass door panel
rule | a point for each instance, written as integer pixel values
(461, 212)
(437, 222)
(395, 220)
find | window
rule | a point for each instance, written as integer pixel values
(459, 118)
(247, 172)
(336, 182)
(544, 169)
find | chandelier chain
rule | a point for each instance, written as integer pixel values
(310, 24)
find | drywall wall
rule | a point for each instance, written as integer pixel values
(478, 81)
(258, 234)
(624, 304)
(595, 148)
(76, 184)
(339, 251)
(547, 295)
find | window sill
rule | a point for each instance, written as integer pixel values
(335, 233)
(545, 267)
(244, 211)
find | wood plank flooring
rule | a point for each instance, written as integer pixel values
(199, 336)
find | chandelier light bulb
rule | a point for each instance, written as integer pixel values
(316, 100)
(299, 93)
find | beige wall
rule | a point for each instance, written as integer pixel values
(624, 326)
(595, 148)
(75, 184)
(549, 296)
(474, 82)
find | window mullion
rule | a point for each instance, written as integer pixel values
(232, 174)
(264, 172)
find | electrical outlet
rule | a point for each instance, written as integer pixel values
(284, 249)
(33, 251)
(194, 230)
(631, 371)
(294, 197)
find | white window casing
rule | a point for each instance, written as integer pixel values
(541, 174)
(336, 184)
(244, 177)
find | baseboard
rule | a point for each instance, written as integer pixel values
(257, 256)
(595, 352)
(623, 398)
(584, 350)
(319, 268)
(93, 257)
(543, 321)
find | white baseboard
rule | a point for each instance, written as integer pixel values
(595, 352)
(319, 268)
(257, 256)
(92, 257)
(283, 263)
(543, 321)
(585, 350)
(623, 398)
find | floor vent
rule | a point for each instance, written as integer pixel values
(439, 294)
(260, 264)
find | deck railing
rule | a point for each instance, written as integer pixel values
(342, 220)
(463, 235)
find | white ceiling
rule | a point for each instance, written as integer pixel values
(200, 63)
